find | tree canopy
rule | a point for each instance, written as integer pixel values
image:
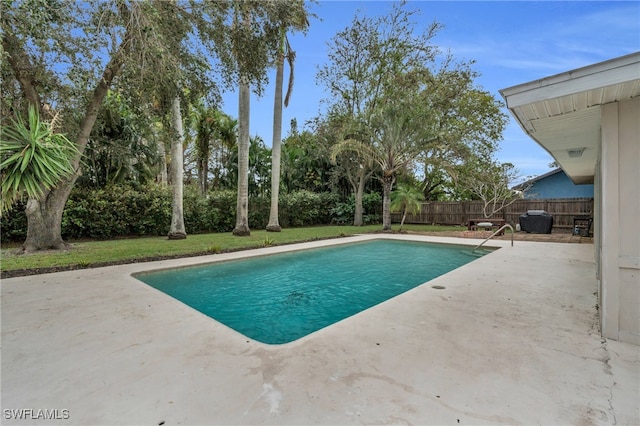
(398, 108)
(64, 56)
(490, 181)
(396, 97)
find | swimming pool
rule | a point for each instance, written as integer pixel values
(280, 298)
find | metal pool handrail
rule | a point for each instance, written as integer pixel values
(494, 234)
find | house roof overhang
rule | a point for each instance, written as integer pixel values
(533, 180)
(562, 113)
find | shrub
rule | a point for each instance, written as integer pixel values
(196, 211)
(120, 210)
(343, 212)
(13, 223)
(116, 211)
(221, 211)
(152, 209)
(303, 208)
(259, 210)
(372, 206)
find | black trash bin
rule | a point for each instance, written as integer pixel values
(536, 222)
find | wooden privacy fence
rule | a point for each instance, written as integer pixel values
(563, 211)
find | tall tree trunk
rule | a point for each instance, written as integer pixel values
(203, 172)
(177, 231)
(162, 177)
(242, 207)
(205, 176)
(274, 225)
(387, 185)
(359, 210)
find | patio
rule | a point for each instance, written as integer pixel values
(512, 339)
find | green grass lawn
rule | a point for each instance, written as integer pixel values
(85, 254)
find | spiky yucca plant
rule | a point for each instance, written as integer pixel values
(33, 158)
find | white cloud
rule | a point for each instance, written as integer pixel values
(567, 41)
(599, 23)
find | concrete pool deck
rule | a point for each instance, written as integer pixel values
(511, 339)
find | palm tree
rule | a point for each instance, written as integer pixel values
(204, 134)
(214, 130)
(259, 167)
(356, 168)
(254, 43)
(284, 51)
(227, 134)
(242, 206)
(34, 158)
(390, 139)
(406, 199)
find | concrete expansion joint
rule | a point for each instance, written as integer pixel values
(605, 360)
(611, 409)
(607, 357)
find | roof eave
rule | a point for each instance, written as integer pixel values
(562, 112)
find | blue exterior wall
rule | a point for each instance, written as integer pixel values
(558, 185)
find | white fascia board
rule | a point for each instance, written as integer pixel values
(614, 71)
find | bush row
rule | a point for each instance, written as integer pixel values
(118, 211)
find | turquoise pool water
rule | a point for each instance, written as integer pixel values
(280, 298)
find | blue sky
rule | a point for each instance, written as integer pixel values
(512, 42)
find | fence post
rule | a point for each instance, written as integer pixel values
(465, 212)
(425, 208)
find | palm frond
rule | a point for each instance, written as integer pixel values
(291, 59)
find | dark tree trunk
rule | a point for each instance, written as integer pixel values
(44, 216)
(387, 185)
(359, 210)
